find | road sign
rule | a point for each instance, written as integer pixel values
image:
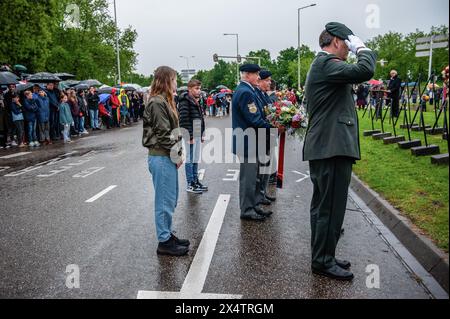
(422, 54)
(437, 38)
(427, 46)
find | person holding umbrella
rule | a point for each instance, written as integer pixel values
(93, 100)
(53, 96)
(43, 103)
(11, 128)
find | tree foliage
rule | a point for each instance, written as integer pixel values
(37, 35)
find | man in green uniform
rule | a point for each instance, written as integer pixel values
(332, 142)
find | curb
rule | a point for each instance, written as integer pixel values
(434, 260)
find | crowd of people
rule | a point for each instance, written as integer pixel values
(44, 114)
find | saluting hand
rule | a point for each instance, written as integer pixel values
(354, 44)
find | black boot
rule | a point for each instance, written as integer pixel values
(171, 248)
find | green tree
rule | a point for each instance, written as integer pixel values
(27, 32)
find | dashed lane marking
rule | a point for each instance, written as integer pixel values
(15, 155)
(102, 193)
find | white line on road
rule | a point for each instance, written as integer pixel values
(15, 155)
(88, 172)
(201, 174)
(102, 193)
(233, 175)
(195, 279)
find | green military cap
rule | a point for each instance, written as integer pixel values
(339, 30)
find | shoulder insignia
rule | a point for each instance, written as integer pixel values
(252, 108)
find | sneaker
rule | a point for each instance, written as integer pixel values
(13, 144)
(192, 188)
(37, 144)
(31, 144)
(22, 145)
(201, 187)
(181, 242)
(85, 132)
(171, 248)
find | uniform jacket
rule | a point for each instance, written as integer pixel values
(246, 115)
(333, 123)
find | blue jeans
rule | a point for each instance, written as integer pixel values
(94, 118)
(32, 131)
(81, 125)
(192, 161)
(165, 182)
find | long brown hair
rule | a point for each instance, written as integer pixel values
(162, 85)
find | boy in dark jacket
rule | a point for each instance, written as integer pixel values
(191, 119)
(43, 103)
(31, 112)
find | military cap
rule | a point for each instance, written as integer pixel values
(339, 30)
(264, 74)
(250, 68)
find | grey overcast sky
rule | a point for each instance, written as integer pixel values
(169, 29)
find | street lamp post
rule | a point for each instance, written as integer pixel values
(237, 45)
(117, 45)
(299, 45)
(188, 65)
(187, 60)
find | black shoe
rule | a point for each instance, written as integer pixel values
(252, 215)
(261, 212)
(202, 187)
(334, 272)
(193, 189)
(181, 242)
(344, 264)
(265, 202)
(171, 248)
(272, 199)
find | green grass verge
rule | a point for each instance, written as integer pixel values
(411, 184)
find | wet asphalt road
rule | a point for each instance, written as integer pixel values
(46, 225)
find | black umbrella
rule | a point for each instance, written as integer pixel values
(44, 77)
(105, 90)
(129, 88)
(81, 86)
(90, 83)
(65, 76)
(24, 87)
(7, 78)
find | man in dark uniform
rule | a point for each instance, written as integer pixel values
(266, 170)
(247, 120)
(332, 142)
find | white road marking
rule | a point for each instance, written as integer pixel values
(201, 174)
(55, 171)
(88, 172)
(233, 175)
(4, 168)
(305, 176)
(102, 193)
(15, 155)
(195, 279)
